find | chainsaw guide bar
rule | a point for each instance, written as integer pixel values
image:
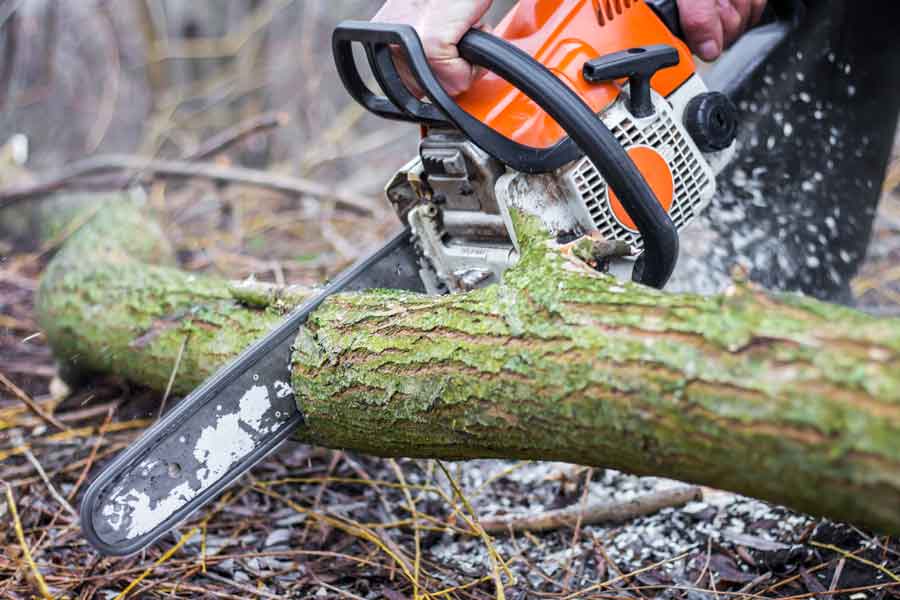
(223, 428)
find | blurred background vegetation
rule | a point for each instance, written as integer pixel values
(155, 78)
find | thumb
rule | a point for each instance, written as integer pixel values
(702, 26)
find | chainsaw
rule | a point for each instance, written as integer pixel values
(589, 112)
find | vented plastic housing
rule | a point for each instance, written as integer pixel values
(693, 177)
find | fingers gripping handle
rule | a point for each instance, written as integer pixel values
(786, 11)
(581, 124)
(442, 111)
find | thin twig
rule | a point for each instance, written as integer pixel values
(594, 512)
(162, 404)
(93, 455)
(474, 522)
(26, 551)
(18, 441)
(755, 582)
(624, 576)
(576, 534)
(286, 184)
(417, 559)
(836, 577)
(244, 588)
(355, 529)
(339, 591)
(158, 562)
(227, 138)
(207, 149)
(858, 559)
(31, 404)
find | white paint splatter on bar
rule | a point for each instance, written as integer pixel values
(218, 448)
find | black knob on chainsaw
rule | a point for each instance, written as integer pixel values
(711, 119)
(638, 65)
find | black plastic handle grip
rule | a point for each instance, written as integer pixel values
(587, 134)
(399, 104)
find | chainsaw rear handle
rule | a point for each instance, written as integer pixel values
(587, 132)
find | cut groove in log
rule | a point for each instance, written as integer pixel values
(779, 397)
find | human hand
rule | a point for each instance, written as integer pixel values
(710, 26)
(440, 24)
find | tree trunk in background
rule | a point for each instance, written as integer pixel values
(779, 397)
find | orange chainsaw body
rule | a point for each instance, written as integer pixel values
(563, 35)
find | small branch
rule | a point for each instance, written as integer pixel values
(859, 559)
(594, 511)
(31, 404)
(18, 441)
(23, 543)
(168, 554)
(109, 97)
(286, 184)
(207, 149)
(7, 65)
(89, 462)
(162, 404)
(261, 294)
(227, 138)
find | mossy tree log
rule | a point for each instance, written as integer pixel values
(779, 397)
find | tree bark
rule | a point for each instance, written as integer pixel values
(779, 397)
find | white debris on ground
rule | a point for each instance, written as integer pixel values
(497, 488)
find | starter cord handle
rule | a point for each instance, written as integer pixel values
(589, 134)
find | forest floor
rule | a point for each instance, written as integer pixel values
(317, 523)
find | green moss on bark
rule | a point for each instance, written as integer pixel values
(112, 301)
(783, 398)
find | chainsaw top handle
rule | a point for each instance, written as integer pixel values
(587, 132)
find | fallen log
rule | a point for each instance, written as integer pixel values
(775, 396)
